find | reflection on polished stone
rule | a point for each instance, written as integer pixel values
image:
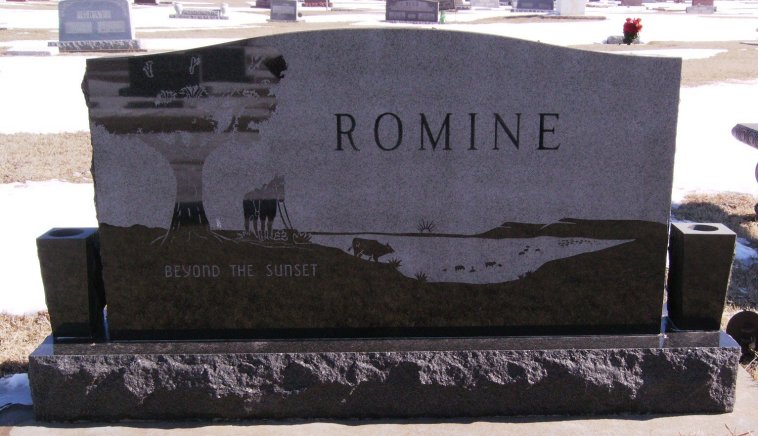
(599, 342)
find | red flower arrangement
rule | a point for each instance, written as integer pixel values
(632, 29)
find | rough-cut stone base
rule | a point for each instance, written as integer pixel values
(679, 373)
(100, 45)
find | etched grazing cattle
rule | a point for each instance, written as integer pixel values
(371, 248)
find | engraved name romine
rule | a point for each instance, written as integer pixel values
(503, 132)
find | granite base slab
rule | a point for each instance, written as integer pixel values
(677, 373)
(117, 45)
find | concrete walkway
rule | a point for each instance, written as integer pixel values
(18, 421)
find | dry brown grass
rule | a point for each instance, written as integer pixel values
(734, 210)
(29, 156)
(19, 336)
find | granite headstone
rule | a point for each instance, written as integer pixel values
(533, 6)
(252, 189)
(426, 11)
(284, 10)
(333, 183)
(447, 5)
(96, 25)
(701, 7)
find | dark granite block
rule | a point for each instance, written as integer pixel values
(71, 273)
(700, 259)
(386, 378)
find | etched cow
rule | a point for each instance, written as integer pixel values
(371, 248)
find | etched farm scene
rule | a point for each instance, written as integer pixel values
(465, 259)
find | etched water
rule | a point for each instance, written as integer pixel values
(456, 259)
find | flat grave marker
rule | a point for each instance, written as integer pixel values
(195, 13)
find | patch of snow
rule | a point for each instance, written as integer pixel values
(708, 158)
(46, 92)
(744, 253)
(36, 208)
(684, 53)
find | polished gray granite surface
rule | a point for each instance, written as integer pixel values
(666, 341)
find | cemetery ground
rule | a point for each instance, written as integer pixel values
(66, 156)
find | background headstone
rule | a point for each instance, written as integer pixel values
(701, 7)
(426, 11)
(571, 8)
(284, 10)
(96, 25)
(533, 5)
(447, 5)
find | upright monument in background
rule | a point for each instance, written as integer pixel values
(96, 25)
